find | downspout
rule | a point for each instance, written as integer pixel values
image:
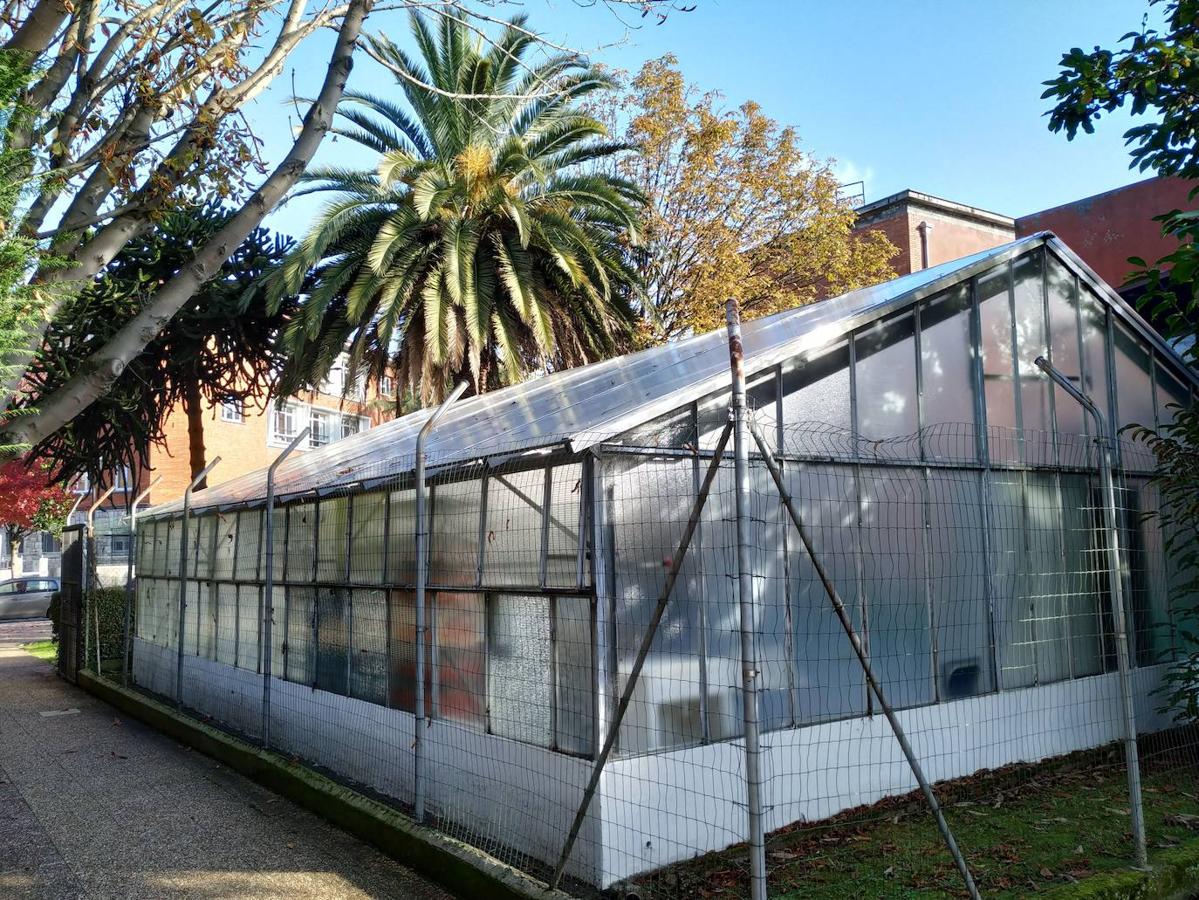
(924, 228)
(422, 577)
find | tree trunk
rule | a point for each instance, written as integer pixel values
(99, 372)
(193, 405)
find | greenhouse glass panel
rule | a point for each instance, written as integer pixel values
(403, 653)
(1134, 395)
(279, 633)
(1171, 396)
(301, 534)
(456, 508)
(367, 527)
(1150, 635)
(462, 657)
(1043, 582)
(995, 327)
(226, 618)
(368, 657)
(958, 572)
(1064, 347)
(205, 528)
(332, 532)
(675, 429)
(332, 629)
(1093, 318)
(829, 680)
(562, 567)
(816, 410)
(171, 547)
(249, 544)
(947, 377)
(1084, 562)
(206, 613)
(575, 668)
(401, 556)
(885, 383)
(512, 554)
(1015, 628)
(767, 524)
(519, 686)
(894, 585)
(712, 415)
(1031, 342)
(301, 603)
(249, 617)
(225, 552)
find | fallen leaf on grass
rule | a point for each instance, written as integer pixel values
(1186, 820)
(784, 855)
(889, 872)
(1045, 873)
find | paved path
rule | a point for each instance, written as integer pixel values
(94, 805)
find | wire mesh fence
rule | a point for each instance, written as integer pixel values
(971, 565)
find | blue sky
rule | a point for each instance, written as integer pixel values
(939, 96)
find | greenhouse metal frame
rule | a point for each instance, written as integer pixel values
(556, 509)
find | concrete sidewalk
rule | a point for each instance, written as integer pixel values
(95, 805)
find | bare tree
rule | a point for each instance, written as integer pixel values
(134, 106)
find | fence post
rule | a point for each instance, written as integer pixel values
(1131, 754)
(187, 503)
(129, 560)
(268, 585)
(749, 623)
(89, 569)
(422, 576)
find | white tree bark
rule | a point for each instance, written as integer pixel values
(105, 366)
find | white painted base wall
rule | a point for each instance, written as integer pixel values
(508, 798)
(667, 807)
(512, 798)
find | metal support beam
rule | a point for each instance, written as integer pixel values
(676, 566)
(1114, 577)
(187, 504)
(268, 585)
(748, 611)
(422, 578)
(871, 680)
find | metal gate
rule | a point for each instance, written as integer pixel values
(71, 600)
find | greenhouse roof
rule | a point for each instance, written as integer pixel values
(590, 404)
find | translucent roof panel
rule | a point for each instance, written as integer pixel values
(590, 404)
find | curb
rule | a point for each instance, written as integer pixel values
(454, 865)
(1174, 876)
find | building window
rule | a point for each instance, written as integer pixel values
(123, 480)
(387, 386)
(321, 424)
(285, 422)
(351, 425)
(233, 410)
(82, 485)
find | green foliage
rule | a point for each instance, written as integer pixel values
(109, 604)
(224, 343)
(1156, 74)
(482, 247)
(19, 304)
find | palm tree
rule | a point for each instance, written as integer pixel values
(483, 246)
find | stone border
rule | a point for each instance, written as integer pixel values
(453, 864)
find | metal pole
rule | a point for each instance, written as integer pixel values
(187, 502)
(749, 619)
(268, 585)
(863, 659)
(647, 640)
(128, 627)
(422, 576)
(1131, 754)
(90, 546)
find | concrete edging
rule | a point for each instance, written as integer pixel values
(453, 864)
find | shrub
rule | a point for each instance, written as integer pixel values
(109, 603)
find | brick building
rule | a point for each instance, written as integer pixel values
(1105, 229)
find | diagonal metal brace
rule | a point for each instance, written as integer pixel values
(676, 566)
(858, 648)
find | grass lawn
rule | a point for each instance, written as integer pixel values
(1024, 829)
(43, 650)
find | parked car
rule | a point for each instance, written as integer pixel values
(26, 598)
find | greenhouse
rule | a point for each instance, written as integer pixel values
(950, 488)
